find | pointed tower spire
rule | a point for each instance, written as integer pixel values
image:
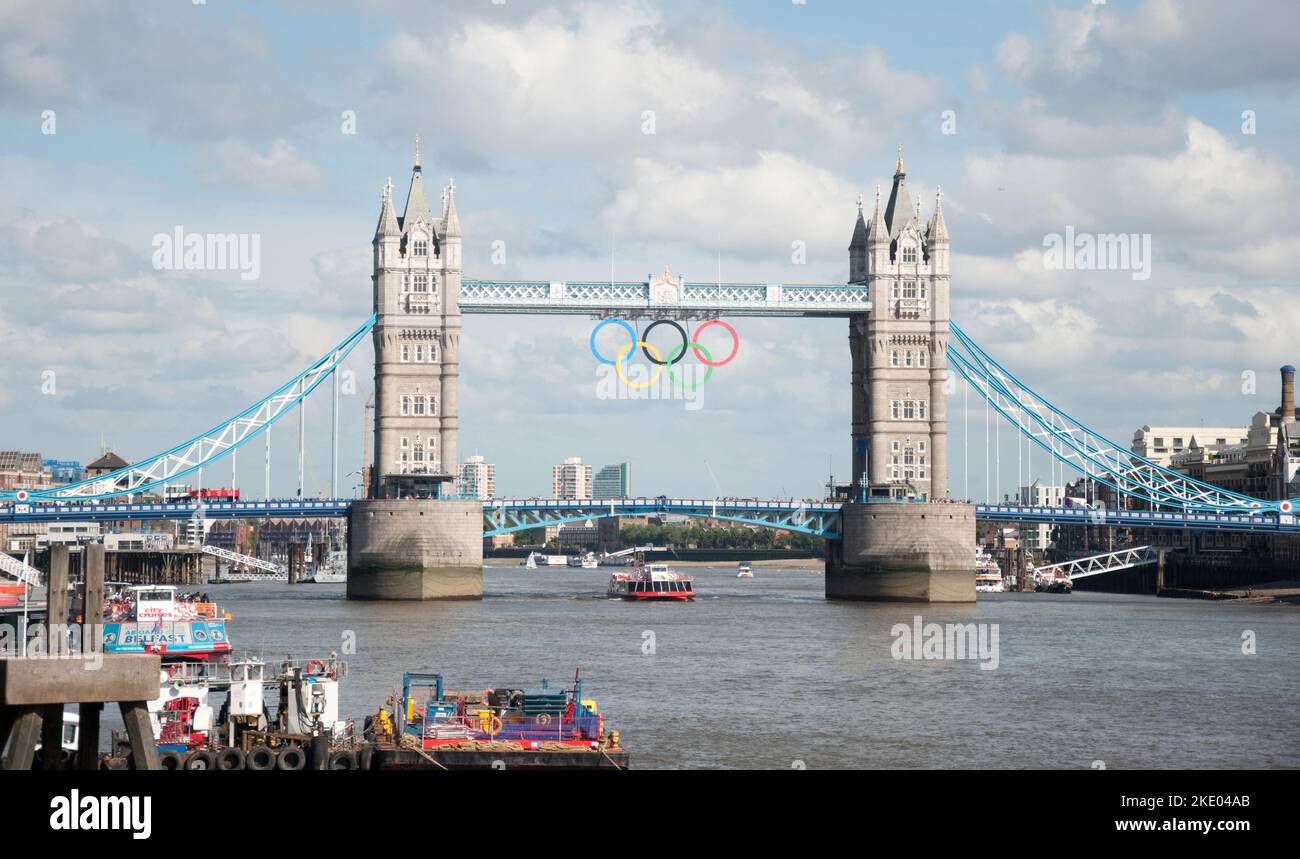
(878, 232)
(899, 210)
(938, 228)
(387, 217)
(450, 217)
(417, 205)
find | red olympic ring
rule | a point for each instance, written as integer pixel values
(734, 338)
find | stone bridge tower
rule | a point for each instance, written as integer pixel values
(899, 350)
(417, 343)
(903, 539)
(409, 539)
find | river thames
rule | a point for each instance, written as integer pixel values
(765, 673)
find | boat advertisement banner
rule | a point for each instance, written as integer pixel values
(196, 636)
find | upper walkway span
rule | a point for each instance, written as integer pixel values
(508, 516)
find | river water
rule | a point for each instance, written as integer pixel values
(765, 673)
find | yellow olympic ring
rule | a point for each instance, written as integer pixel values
(618, 365)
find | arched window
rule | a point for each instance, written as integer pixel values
(893, 358)
(406, 353)
(419, 353)
(921, 358)
(907, 358)
(421, 248)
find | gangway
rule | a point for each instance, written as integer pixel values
(1095, 565)
(20, 570)
(623, 553)
(247, 561)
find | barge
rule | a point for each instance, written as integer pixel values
(428, 727)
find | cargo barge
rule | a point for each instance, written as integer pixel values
(430, 727)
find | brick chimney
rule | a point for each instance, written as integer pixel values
(1288, 393)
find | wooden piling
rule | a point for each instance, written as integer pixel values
(92, 601)
(56, 620)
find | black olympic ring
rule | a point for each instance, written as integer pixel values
(686, 342)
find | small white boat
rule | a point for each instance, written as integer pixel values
(988, 575)
(588, 561)
(531, 563)
(334, 570)
(746, 571)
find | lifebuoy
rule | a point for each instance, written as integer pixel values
(315, 667)
(494, 726)
(544, 719)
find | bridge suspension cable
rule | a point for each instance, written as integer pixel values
(1074, 444)
(191, 456)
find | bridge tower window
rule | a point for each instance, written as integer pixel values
(909, 253)
(921, 358)
(406, 353)
(421, 248)
(893, 358)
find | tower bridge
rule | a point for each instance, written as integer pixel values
(900, 537)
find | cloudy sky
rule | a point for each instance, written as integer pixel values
(1177, 120)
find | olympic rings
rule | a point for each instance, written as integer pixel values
(592, 342)
(618, 365)
(708, 374)
(734, 348)
(680, 330)
(675, 356)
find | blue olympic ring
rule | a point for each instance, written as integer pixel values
(592, 343)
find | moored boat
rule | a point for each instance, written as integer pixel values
(988, 575)
(430, 725)
(152, 619)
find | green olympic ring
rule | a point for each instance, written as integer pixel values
(672, 357)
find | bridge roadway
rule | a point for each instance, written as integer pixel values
(505, 516)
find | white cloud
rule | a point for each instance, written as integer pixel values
(281, 168)
(753, 210)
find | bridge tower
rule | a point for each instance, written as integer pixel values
(410, 540)
(903, 537)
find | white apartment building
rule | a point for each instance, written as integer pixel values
(571, 480)
(477, 479)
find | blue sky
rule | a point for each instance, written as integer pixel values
(771, 118)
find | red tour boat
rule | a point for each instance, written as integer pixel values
(651, 582)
